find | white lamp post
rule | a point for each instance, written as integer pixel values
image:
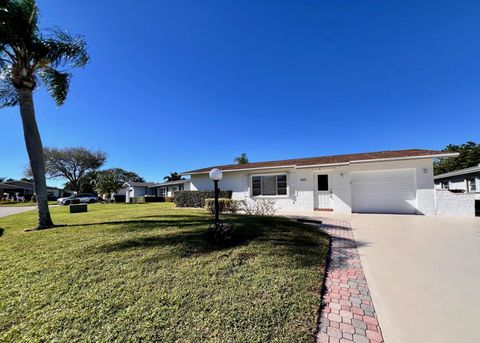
(216, 175)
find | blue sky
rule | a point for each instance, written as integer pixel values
(177, 85)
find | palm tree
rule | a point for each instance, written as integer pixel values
(242, 159)
(172, 177)
(28, 57)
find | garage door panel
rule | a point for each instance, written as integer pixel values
(384, 191)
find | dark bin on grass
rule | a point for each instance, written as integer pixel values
(78, 208)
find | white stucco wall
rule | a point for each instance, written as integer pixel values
(301, 184)
(455, 204)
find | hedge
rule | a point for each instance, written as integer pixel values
(225, 205)
(197, 198)
(137, 200)
(155, 199)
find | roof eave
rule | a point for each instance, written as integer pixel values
(458, 172)
(453, 154)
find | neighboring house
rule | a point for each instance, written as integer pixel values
(25, 188)
(168, 189)
(467, 180)
(379, 182)
(135, 189)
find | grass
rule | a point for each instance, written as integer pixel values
(147, 273)
(21, 204)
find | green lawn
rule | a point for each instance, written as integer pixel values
(147, 273)
(22, 204)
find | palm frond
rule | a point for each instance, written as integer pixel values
(33, 54)
(18, 22)
(62, 49)
(8, 94)
(57, 84)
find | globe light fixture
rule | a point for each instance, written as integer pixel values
(216, 175)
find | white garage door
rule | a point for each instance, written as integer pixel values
(384, 191)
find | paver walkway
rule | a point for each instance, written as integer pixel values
(347, 313)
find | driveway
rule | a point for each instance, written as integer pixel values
(423, 274)
(6, 211)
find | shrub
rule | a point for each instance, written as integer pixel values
(224, 234)
(137, 200)
(262, 207)
(154, 199)
(119, 198)
(225, 205)
(197, 198)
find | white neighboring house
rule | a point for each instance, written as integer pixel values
(168, 189)
(136, 189)
(467, 180)
(379, 182)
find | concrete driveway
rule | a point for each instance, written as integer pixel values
(423, 274)
(6, 211)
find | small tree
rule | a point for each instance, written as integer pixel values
(110, 181)
(172, 177)
(242, 159)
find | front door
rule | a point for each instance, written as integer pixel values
(324, 196)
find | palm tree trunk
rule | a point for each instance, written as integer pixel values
(35, 154)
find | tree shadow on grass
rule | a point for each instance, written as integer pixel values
(142, 224)
(1, 231)
(277, 236)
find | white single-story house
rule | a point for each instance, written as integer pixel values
(136, 189)
(467, 180)
(165, 189)
(168, 189)
(379, 182)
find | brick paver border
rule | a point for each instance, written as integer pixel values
(347, 313)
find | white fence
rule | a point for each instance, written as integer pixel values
(454, 204)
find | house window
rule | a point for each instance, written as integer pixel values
(269, 185)
(162, 192)
(323, 182)
(472, 187)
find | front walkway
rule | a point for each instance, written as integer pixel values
(6, 211)
(347, 313)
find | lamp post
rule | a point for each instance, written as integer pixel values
(216, 175)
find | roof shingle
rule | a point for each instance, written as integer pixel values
(324, 160)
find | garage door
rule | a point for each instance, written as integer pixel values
(384, 191)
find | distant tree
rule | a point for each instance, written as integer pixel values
(88, 183)
(469, 157)
(85, 185)
(26, 179)
(128, 175)
(2, 178)
(109, 181)
(72, 164)
(242, 159)
(28, 56)
(172, 177)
